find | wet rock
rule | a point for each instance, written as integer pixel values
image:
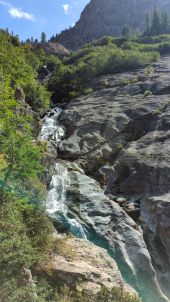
(109, 226)
(155, 217)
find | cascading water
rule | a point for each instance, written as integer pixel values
(51, 130)
(56, 204)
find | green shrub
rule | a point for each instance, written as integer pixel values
(149, 71)
(164, 47)
(154, 39)
(52, 62)
(147, 93)
(88, 91)
(106, 83)
(135, 79)
(124, 82)
(25, 236)
(20, 64)
(37, 97)
(16, 251)
(116, 295)
(78, 70)
(77, 295)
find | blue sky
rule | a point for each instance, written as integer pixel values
(28, 18)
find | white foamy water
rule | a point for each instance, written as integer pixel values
(51, 130)
(56, 204)
(56, 199)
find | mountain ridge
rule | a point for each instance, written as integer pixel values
(100, 18)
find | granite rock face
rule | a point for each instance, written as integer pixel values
(103, 18)
(121, 138)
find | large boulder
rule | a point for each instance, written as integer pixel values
(90, 267)
(53, 48)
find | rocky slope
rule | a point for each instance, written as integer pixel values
(52, 48)
(118, 136)
(101, 18)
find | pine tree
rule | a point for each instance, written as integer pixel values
(164, 22)
(126, 31)
(28, 41)
(43, 37)
(52, 38)
(159, 24)
(156, 23)
(147, 24)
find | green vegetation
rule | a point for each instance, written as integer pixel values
(19, 64)
(25, 230)
(125, 82)
(143, 43)
(147, 93)
(77, 294)
(157, 23)
(43, 37)
(25, 235)
(20, 156)
(71, 78)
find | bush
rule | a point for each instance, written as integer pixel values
(77, 295)
(154, 39)
(16, 250)
(25, 235)
(147, 93)
(52, 63)
(37, 97)
(164, 47)
(73, 77)
(20, 64)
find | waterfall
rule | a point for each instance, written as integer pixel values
(56, 203)
(51, 130)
